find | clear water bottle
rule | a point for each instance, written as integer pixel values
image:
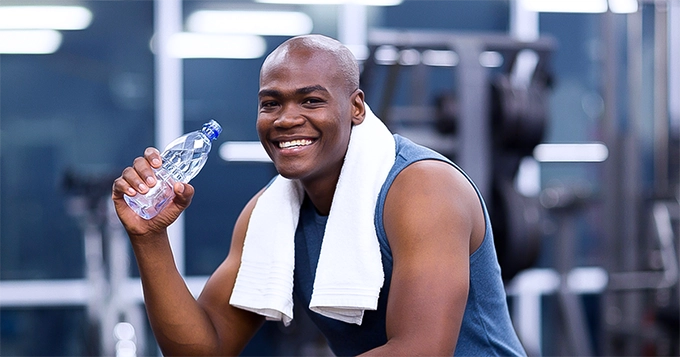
(183, 158)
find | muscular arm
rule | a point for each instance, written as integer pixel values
(231, 324)
(433, 220)
(182, 325)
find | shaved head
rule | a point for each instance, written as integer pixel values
(346, 66)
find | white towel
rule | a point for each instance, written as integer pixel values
(349, 273)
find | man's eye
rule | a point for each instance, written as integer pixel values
(312, 101)
(268, 104)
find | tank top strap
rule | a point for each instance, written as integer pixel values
(407, 154)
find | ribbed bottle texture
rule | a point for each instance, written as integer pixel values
(182, 159)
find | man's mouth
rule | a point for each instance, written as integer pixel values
(294, 143)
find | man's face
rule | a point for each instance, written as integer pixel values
(304, 115)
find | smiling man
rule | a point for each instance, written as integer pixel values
(386, 244)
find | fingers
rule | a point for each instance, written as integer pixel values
(140, 176)
(153, 156)
(122, 187)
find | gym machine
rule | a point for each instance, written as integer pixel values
(488, 124)
(493, 117)
(639, 313)
(116, 318)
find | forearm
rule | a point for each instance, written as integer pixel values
(180, 325)
(410, 347)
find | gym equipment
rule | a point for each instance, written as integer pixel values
(494, 116)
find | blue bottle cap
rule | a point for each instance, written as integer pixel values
(212, 129)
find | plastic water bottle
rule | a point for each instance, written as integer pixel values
(183, 158)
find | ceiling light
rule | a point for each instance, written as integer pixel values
(623, 6)
(440, 58)
(45, 17)
(29, 41)
(334, 2)
(588, 152)
(409, 57)
(386, 55)
(491, 59)
(575, 6)
(251, 151)
(272, 23)
(196, 45)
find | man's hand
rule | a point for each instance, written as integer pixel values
(137, 179)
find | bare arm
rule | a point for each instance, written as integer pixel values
(182, 325)
(433, 220)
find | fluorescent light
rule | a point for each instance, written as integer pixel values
(491, 59)
(440, 58)
(273, 23)
(586, 280)
(19, 293)
(243, 151)
(409, 57)
(588, 152)
(577, 6)
(334, 2)
(389, 55)
(623, 6)
(195, 45)
(45, 17)
(386, 55)
(29, 41)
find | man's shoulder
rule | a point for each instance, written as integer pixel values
(415, 151)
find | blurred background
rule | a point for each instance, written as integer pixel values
(565, 113)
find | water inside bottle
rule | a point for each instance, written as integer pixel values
(184, 164)
(182, 159)
(148, 205)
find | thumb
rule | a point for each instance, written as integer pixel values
(184, 192)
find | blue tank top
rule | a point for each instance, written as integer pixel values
(486, 329)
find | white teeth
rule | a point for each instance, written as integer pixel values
(294, 143)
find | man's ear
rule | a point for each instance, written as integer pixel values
(358, 109)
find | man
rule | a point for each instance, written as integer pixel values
(442, 290)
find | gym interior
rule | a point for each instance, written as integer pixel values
(565, 113)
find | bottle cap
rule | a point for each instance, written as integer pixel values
(212, 129)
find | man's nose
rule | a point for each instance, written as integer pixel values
(289, 116)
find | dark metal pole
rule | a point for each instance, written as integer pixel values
(475, 133)
(661, 119)
(632, 302)
(612, 174)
